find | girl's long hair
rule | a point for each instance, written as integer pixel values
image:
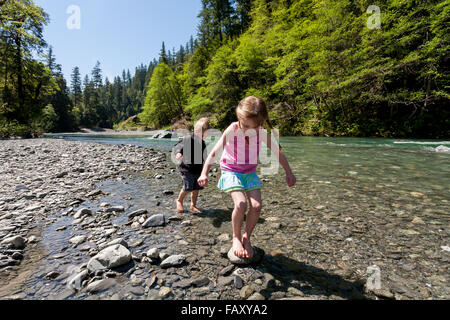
(254, 108)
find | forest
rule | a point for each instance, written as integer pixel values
(321, 65)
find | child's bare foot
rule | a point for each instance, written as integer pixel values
(180, 207)
(195, 210)
(248, 249)
(238, 249)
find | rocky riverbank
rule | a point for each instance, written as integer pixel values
(89, 221)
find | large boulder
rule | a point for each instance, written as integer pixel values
(110, 257)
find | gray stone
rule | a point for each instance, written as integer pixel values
(114, 242)
(225, 281)
(111, 257)
(246, 292)
(200, 282)
(258, 255)
(256, 296)
(238, 283)
(154, 221)
(17, 242)
(82, 212)
(115, 208)
(77, 240)
(153, 253)
(137, 213)
(76, 281)
(173, 261)
(226, 271)
(100, 285)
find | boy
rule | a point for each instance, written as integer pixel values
(191, 162)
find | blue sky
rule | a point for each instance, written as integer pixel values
(120, 34)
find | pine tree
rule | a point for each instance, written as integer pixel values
(163, 55)
(97, 75)
(75, 86)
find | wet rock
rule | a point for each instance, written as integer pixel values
(173, 261)
(154, 221)
(82, 212)
(76, 281)
(111, 257)
(17, 256)
(77, 240)
(137, 213)
(100, 285)
(52, 275)
(115, 209)
(16, 242)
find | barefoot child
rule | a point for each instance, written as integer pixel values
(190, 152)
(241, 145)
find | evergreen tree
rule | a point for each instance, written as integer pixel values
(97, 75)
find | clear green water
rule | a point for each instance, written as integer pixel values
(403, 165)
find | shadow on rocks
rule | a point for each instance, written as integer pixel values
(307, 280)
(220, 216)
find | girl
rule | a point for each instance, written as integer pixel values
(240, 144)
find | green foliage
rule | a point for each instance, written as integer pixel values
(164, 100)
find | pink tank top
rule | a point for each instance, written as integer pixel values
(240, 155)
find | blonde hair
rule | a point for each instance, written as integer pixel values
(201, 124)
(254, 108)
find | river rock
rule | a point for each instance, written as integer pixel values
(258, 254)
(154, 221)
(17, 242)
(153, 253)
(114, 242)
(82, 212)
(115, 209)
(256, 296)
(137, 213)
(111, 257)
(164, 292)
(100, 285)
(76, 281)
(173, 261)
(77, 240)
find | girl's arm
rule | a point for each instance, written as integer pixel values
(215, 153)
(274, 147)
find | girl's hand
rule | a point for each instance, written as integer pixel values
(179, 156)
(203, 181)
(291, 179)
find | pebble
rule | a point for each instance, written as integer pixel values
(164, 292)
